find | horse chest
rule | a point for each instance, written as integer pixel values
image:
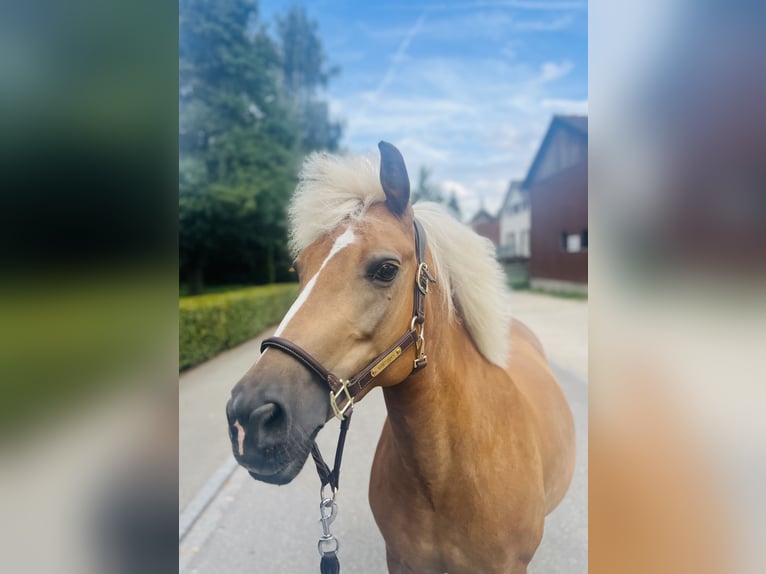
(434, 541)
(455, 526)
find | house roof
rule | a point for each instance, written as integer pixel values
(577, 125)
(513, 186)
(482, 214)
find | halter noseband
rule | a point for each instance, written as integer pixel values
(343, 392)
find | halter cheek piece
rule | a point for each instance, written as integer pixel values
(343, 392)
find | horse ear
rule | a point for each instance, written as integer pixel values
(394, 178)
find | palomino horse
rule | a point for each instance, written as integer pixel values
(478, 444)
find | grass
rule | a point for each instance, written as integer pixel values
(524, 285)
(562, 294)
(183, 289)
(519, 285)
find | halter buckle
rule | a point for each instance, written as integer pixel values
(421, 360)
(423, 278)
(339, 412)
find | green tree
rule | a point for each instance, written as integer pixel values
(237, 141)
(304, 76)
(250, 107)
(426, 190)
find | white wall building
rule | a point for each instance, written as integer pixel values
(515, 222)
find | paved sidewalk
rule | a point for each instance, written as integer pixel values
(561, 324)
(203, 443)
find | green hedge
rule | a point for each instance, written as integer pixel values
(209, 324)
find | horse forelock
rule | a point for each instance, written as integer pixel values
(333, 189)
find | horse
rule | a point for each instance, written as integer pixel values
(478, 443)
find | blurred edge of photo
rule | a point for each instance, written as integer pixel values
(677, 267)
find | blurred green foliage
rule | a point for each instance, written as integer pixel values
(250, 108)
(89, 118)
(209, 324)
(68, 338)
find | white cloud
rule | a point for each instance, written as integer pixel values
(461, 191)
(485, 22)
(427, 154)
(509, 51)
(543, 5)
(550, 71)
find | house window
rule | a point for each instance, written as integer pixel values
(584, 239)
(571, 242)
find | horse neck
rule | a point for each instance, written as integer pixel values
(436, 413)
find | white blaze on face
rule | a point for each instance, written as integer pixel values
(240, 438)
(343, 240)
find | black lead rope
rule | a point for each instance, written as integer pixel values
(327, 476)
(328, 544)
(329, 563)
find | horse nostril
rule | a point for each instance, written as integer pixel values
(267, 421)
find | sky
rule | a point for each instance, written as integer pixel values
(464, 88)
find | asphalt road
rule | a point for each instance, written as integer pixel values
(231, 523)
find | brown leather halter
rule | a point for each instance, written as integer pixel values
(343, 392)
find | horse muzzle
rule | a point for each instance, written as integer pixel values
(270, 436)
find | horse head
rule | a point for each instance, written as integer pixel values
(356, 299)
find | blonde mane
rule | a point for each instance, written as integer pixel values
(334, 188)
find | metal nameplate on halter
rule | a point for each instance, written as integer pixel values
(385, 361)
(339, 412)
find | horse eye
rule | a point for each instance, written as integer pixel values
(386, 272)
